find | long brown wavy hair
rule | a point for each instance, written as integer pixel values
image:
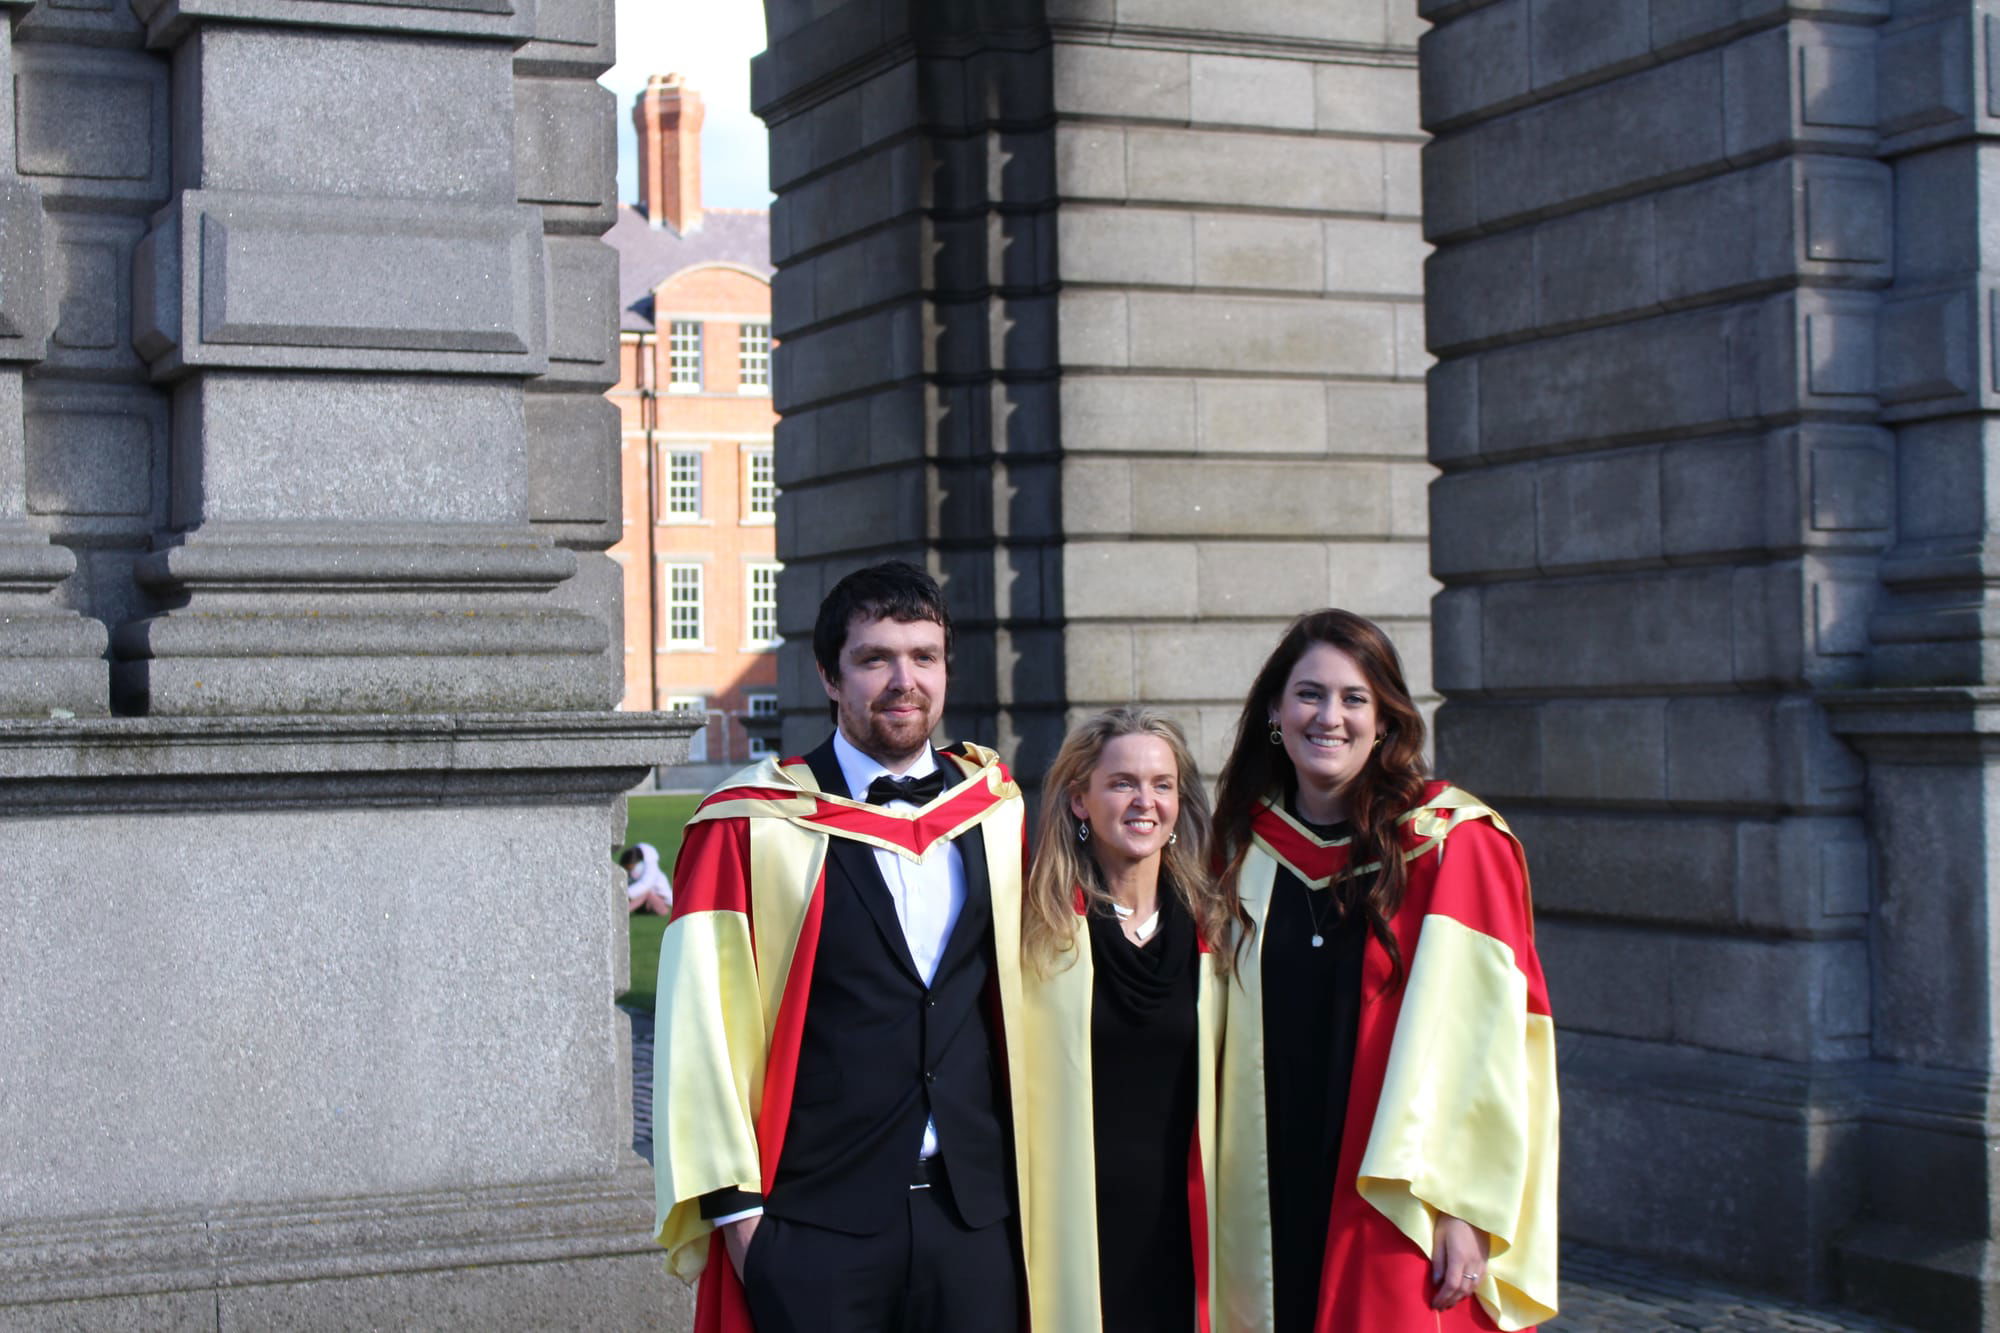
(1063, 864)
(1388, 785)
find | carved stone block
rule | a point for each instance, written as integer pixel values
(240, 280)
(24, 294)
(90, 127)
(575, 37)
(566, 153)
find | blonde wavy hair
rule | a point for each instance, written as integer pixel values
(1063, 863)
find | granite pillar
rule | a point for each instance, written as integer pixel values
(51, 655)
(308, 1019)
(1703, 302)
(349, 312)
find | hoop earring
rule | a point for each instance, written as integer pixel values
(1277, 737)
(1083, 833)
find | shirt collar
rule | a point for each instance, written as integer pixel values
(861, 769)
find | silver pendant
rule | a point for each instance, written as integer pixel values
(1318, 940)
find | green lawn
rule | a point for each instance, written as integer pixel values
(658, 820)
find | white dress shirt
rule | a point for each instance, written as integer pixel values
(928, 894)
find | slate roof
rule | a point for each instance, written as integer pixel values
(647, 255)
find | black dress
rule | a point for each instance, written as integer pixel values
(1142, 1058)
(1312, 1003)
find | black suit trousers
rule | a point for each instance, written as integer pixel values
(926, 1273)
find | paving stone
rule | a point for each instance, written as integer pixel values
(1606, 1292)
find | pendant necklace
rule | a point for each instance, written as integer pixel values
(1312, 909)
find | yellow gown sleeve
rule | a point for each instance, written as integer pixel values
(709, 1043)
(1467, 1120)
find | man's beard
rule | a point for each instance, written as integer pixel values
(890, 739)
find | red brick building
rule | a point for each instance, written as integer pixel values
(694, 392)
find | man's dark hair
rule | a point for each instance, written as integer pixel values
(893, 590)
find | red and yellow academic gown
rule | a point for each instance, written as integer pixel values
(1452, 1107)
(1056, 1135)
(736, 966)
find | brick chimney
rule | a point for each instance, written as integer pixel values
(668, 116)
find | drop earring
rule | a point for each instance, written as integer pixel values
(1277, 737)
(1083, 833)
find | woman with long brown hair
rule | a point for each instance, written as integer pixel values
(1125, 945)
(1388, 1101)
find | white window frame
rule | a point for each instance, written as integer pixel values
(752, 641)
(698, 741)
(684, 355)
(760, 703)
(753, 358)
(675, 494)
(673, 581)
(755, 455)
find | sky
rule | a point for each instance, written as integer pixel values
(711, 44)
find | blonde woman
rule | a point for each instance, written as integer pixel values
(1126, 946)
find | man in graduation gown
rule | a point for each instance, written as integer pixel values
(831, 1136)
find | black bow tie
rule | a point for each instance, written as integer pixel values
(917, 791)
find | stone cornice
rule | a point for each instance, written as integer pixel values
(1940, 725)
(85, 765)
(305, 1240)
(511, 21)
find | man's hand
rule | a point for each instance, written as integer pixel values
(736, 1239)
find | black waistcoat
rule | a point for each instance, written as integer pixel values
(881, 1052)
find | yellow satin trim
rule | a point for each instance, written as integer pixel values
(1243, 1293)
(786, 864)
(1055, 1137)
(1054, 1148)
(708, 1064)
(977, 766)
(1432, 821)
(1467, 1120)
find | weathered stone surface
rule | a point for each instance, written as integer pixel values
(566, 153)
(1694, 267)
(352, 810)
(90, 126)
(329, 171)
(274, 281)
(1208, 306)
(1664, 1123)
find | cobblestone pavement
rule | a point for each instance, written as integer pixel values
(1604, 1292)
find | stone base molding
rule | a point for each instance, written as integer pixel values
(573, 1254)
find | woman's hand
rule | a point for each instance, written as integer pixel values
(1458, 1260)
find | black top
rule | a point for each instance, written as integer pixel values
(1312, 1002)
(1142, 1061)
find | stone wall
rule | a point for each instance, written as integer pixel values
(1242, 343)
(1110, 314)
(306, 475)
(1104, 309)
(1702, 301)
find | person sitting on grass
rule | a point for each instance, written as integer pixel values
(647, 888)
